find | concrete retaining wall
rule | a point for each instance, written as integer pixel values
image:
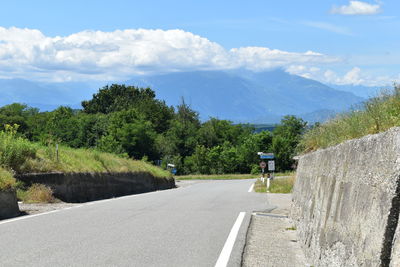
(346, 202)
(8, 205)
(82, 187)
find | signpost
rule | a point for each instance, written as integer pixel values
(271, 166)
(263, 165)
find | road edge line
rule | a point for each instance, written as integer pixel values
(225, 255)
(251, 188)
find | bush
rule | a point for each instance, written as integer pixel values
(14, 150)
(7, 181)
(38, 193)
(377, 115)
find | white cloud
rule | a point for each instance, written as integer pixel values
(357, 8)
(355, 76)
(28, 53)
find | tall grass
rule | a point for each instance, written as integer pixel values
(18, 155)
(376, 115)
(7, 181)
(281, 186)
(14, 150)
(85, 160)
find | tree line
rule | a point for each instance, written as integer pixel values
(132, 122)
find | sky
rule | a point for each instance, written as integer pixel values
(333, 41)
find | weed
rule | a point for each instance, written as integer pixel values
(282, 186)
(216, 177)
(37, 193)
(7, 181)
(377, 115)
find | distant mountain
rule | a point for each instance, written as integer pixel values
(45, 96)
(360, 90)
(262, 97)
(240, 96)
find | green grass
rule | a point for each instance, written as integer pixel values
(7, 181)
(37, 193)
(216, 177)
(282, 186)
(286, 173)
(377, 115)
(18, 155)
(85, 160)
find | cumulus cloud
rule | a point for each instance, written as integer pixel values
(354, 76)
(123, 53)
(357, 8)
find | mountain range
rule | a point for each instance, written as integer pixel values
(240, 96)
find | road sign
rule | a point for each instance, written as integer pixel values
(271, 165)
(266, 156)
(263, 165)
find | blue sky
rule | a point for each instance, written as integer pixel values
(354, 42)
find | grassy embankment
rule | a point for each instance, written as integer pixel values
(18, 156)
(216, 176)
(226, 176)
(281, 185)
(377, 115)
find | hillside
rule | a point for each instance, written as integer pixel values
(18, 155)
(240, 96)
(249, 96)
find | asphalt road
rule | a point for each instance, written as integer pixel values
(188, 226)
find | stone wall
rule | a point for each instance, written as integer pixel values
(8, 205)
(346, 202)
(82, 187)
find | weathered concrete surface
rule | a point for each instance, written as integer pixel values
(8, 205)
(82, 187)
(345, 201)
(271, 240)
(395, 262)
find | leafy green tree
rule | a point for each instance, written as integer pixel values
(63, 126)
(215, 132)
(117, 97)
(135, 134)
(17, 114)
(285, 140)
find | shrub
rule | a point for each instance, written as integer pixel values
(38, 193)
(376, 115)
(14, 150)
(7, 181)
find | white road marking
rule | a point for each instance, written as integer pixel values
(77, 206)
(227, 250)
(251, 188)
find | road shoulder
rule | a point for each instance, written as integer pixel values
(271, 237)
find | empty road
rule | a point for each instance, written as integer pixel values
(188, 226)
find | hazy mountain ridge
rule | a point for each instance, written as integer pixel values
(251, 97)
(246, 96)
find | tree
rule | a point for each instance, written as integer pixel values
(17, 114)
(286, 137)
(135, 134)
(117, 97)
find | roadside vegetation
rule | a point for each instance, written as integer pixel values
(18, 156)
(280, 185)
(216, 177)
(132, 123)
(7, 181)
(37, 193)
(227, 176)
(376, 115)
